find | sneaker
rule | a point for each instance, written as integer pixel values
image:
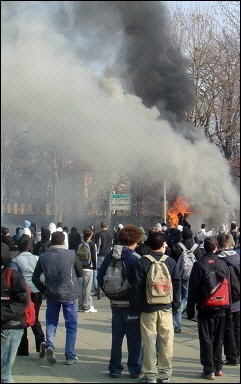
(219, 373)
(71, 361)
(114, 375)
(144, 379)
(42, 352)
(91, 310)
(231, 362)
(51, 358)
(177, 330)
(208, 376)
(166, 380)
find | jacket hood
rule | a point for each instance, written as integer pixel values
(26, 224)
(231, 257)
(52, 227)
(121, 252)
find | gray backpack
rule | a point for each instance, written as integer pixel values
(115, 283)
(186, 261)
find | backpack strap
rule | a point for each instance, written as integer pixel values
(153, 260)
(194, 247)
(182, 246)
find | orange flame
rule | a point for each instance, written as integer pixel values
(179, 205)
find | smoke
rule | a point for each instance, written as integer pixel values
(102, 80)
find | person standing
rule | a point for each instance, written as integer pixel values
(231, 340)
(188, 242)
(25, 264)
(61, 268)
(211, 320)
(202, 235)
(125, 320)
(85, 300)
(14, 301)
(104, 242)
(156, 319)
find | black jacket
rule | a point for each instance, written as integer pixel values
(138, 292)
(207, 263)
(14, 300)
(176, 250)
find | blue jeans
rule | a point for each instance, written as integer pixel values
(10, 340)
(177, 319)
(70, 312)
(125, 321)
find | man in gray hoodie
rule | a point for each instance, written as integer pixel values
(231, 339)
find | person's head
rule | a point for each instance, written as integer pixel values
(45, 234)
(2, 228)
(104, 225)
(26, 224)
(74, 229)
(158, 226)
(59, 224)
(222, 228)
(152, 230)
(24, 244)
(66, 229)
(224, 241)
(120, 226)
(164, 227)
(27, 232)
(210, 245)
(233, 225)
(87, 232)
(130, 235)
(5, 232)
(9, 241)
(203, 226)
(34, 226)
(186, 233)
(156, 241)
(180, 228)
(52, 227)
(5, 255)
(17, 230)
(57, 238)
(180, 215)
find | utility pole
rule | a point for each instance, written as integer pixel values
(164, 201)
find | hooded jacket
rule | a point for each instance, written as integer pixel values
(130, 259)
(14, 299)
(231, 258)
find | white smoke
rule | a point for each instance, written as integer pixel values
(47, 84)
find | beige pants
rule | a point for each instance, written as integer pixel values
(157, 336)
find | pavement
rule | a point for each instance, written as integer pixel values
(93, 349)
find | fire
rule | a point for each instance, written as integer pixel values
(179, 205)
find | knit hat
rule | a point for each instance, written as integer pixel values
(26, 224)
(159, 227)
(120, 226)
(52, 227)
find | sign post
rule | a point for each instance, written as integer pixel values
(119, 202)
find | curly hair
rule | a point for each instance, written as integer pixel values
(130, 234)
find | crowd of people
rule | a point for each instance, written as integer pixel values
(67, 268)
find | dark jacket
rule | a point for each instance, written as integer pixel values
(174, 237)
(61, 267)
(176, 250)
(14, 297)
(231, 258)
(130, 259)
(138, 291)
(207, 263)
(74, 240)
(104, 240)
